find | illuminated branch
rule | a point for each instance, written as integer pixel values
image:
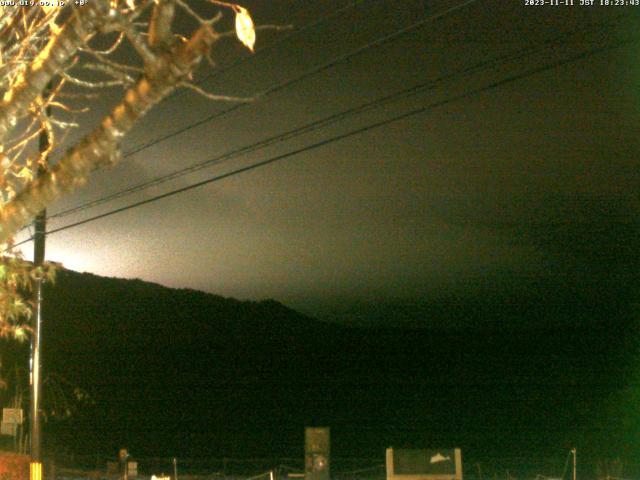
(88, 84)
(213, 96)
(100, 148)
(138, 42)
(160, 34)
(38, 57)
(83, 24)
(115, 73)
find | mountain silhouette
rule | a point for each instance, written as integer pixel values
(177, 372)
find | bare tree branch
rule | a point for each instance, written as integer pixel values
(160, 34)
(213, 96)
(82, 25)
(100, 148)
(40, 50)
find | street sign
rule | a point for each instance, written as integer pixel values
(317, 446)
(12, 415)
(132, 469)
(414, 464)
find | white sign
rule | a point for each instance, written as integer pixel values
(12, 415)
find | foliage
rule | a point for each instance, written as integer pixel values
(63, 399)
(53, 60)
(16, 276)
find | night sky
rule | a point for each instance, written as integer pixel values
(499, 188)
(523, 194)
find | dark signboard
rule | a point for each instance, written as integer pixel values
(317, 446)
(424, 464)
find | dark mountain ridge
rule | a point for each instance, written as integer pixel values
(182, 372)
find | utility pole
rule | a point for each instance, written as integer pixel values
(40, 226)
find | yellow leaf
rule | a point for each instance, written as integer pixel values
(244, 27)
(20, 334)
(26, 173)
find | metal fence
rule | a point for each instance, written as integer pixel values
(95, 467)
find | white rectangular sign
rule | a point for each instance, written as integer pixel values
(12, 415)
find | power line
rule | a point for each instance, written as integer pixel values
(309, 73)
(281, 40)
(298, 78)
(423, 109)
(331, 119)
